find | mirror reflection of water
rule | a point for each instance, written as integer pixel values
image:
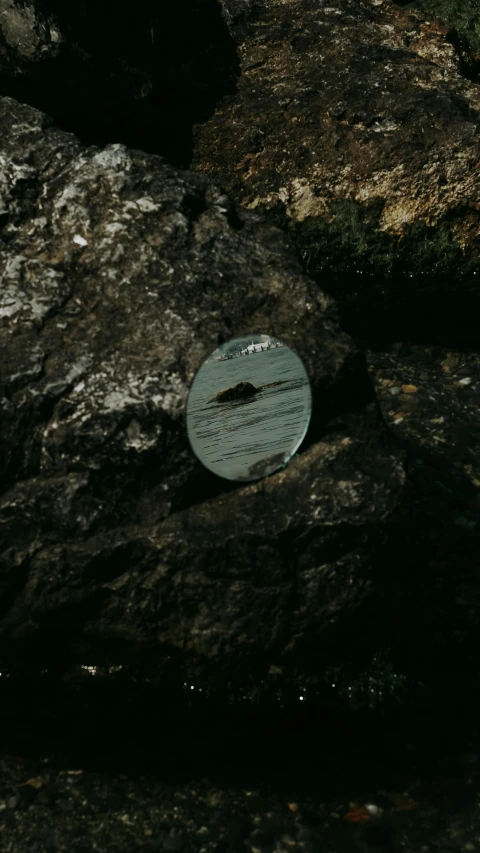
(249, 438)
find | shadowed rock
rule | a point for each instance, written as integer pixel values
(117, 544)
(124, 72)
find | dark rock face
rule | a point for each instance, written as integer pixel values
(140, 77)
(355, 128)
(237, 392)
(119, 276)
(431, 398)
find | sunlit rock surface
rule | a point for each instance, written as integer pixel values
(119, 274)
(356, 127)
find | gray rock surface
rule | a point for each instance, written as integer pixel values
(119, 274)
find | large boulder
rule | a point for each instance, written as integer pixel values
(119, 275)
(355, 127)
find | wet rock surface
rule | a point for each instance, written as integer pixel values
(241, 390)
(355, 128)
(237, 392)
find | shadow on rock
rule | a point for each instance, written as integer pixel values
(136, 77)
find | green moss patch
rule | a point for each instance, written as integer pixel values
(383, 280)
(464, 15)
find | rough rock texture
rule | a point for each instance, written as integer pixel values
(45, 807)
(230, 778)
(236, 392)
(141, 79)
(118, 276)
(97, 556)
(464, 15)
(355, 127)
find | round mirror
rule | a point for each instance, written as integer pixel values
(248, 408)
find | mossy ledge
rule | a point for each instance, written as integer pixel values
(388, 286)
(464, 16)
